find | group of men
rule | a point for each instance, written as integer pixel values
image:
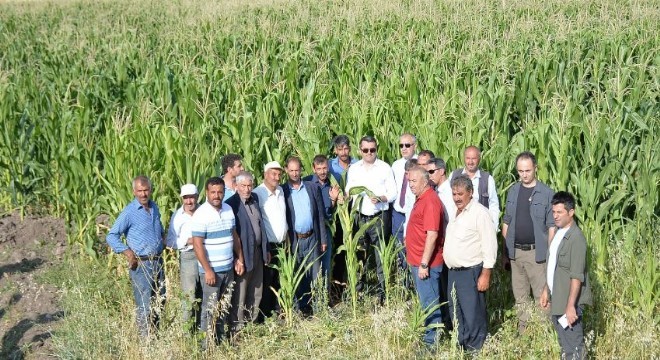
(446, 223)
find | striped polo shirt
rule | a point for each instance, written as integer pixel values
(215, 228)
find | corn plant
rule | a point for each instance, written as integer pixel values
(347, 217)
(291, 274)
(388, 252)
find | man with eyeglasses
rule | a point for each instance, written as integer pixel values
(404, 198)
(377, 176)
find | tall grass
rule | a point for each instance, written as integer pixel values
(93, 93)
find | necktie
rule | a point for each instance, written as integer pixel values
(404, 187)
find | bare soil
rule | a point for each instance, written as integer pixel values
(29, 307)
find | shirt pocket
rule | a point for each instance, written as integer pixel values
(563, 257)
(539, 209)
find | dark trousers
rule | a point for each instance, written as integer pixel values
(469, 308)
(379, 231)
(269, 304)
(307, 251)
(398, 220)
(571, 339)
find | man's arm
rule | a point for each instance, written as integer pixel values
(429, 246)
(239, 265)
(119, 228)
(544, 300)
(200, 252)
(573, 293)
(390, 186)
(493, 202)
(172, 235)
(320, 216)
(578, 257)
(488, 250)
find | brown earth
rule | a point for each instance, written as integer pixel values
(29, 307)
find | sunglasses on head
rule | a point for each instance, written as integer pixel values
(370, 150)
(406, 145)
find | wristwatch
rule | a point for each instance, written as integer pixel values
(424, 266)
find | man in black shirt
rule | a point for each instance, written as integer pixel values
(527, 229)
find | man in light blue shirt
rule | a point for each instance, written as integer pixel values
(139, 223)
(305, 215)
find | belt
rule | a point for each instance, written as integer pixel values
(463, 268)
(370, 216)
(304, 235)
(148, 257)
(525, 247)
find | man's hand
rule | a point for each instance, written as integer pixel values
(334, 193)
(132, 259)
(239, 268)
(209, 278)
(544, 300)
(377, 199)
(506, 262)
(483, 282)
(324, 247)
(269, 257)
(571, 315)
(422, 273)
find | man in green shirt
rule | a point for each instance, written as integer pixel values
(567, 289)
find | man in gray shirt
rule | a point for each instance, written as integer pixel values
(527, 228)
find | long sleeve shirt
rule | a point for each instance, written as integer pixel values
(179, 231)
(141, 228)
(471, 238)
(376, 177)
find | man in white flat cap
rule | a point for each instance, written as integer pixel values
(273, 211)
(179, 237)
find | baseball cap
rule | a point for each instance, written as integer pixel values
(272, 165)
(189, 189)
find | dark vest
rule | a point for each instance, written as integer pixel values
(483, 185)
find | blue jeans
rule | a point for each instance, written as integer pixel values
(428, 291)
(189, 272)
(148, 281)
(310, 248)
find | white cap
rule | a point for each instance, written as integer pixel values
(272, 165)
(189, 189)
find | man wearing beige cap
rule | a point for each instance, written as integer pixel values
(179, 236)
(273, 211)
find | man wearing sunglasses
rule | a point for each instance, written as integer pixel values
(376, 175)
(404, 198)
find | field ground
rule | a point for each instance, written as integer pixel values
(29, 303)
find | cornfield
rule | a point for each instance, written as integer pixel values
(94, 93)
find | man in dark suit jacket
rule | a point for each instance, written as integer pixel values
(248, 289)
(305, 216)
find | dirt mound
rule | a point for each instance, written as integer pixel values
(28, 307)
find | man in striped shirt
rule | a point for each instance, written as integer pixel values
(215, 242)
(140, 224)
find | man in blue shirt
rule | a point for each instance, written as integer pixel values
(339, 165)
(306, 221)
(330, 195)
(140, 224)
